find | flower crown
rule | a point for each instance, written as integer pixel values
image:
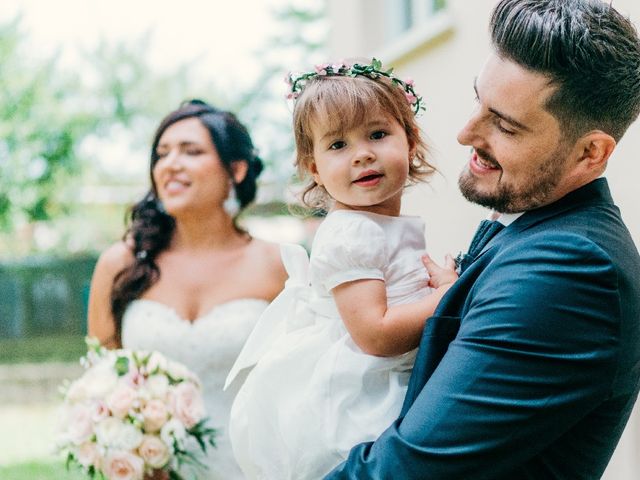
(374, 70)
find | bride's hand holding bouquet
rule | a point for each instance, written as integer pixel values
(132, 414)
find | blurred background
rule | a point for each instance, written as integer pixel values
(83, 84)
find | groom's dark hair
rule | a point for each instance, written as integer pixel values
(586, 48)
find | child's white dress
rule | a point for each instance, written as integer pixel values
(313, 394)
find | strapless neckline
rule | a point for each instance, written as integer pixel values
(213, 312)
(208, 347)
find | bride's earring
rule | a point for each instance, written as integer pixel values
(231, 205)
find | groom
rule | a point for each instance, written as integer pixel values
(530, 366)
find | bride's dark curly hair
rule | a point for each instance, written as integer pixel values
(150, 228)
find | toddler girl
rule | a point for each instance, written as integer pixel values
(334, 352)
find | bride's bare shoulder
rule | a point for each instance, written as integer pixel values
(115, 258)
(269, 251)
(267, 255)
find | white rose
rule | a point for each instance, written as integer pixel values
(156, 361)
(123, 466)
(173, 430)
(178, 371)
(155, 414)
(79, 424)
(77, 391)
(114, 433)
(187, 404)
(157, 386)
(154, 451)
(121, 400)
(99, 380)
(87, 455)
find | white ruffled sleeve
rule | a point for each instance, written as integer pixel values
(347, 247)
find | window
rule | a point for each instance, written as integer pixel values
(408, 24)
(403, 15)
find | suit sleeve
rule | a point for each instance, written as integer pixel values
(535, 353)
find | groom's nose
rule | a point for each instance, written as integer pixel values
(471, 129)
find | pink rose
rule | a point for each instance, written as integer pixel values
(153, 451)
(409, 81)
(121, 400)
(155, 415)
(121, 465)
(135, 378)
(100, 411)
(411, 98)
(187, 404)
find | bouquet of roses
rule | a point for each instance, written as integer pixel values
(130, 413)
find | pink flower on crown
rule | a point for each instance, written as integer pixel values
(292, 95)
(409, 81)
(287, 79)
(321, 68)
(411, 98)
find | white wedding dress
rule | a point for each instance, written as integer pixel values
(208, 346)
(313, 393)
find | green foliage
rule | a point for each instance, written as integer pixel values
(47, 115)
(40, 125)
(439, 5)
(58, 127)
(297, 42)
(39, 470)
(60, 348)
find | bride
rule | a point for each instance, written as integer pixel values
(186, 280)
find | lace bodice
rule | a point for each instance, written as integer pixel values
(208, 346)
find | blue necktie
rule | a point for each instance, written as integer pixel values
(485, 232)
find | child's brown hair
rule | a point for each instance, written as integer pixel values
(346, 102)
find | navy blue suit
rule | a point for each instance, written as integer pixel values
(530, 366)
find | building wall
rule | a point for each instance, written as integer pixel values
(444, 64)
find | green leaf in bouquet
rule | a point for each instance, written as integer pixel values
(189, 458)
(71, 460)
(204, 434)
(122, 366)
(173, 475)
(141, 358)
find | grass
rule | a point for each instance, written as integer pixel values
(61, 348)
(40, 470)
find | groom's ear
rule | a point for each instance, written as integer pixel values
(593, 151)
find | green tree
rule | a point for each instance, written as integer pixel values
(40, 125)
(47, 115)
(298, 42)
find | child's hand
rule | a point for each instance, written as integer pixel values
(440, 276)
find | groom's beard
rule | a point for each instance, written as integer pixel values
(510, 198)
